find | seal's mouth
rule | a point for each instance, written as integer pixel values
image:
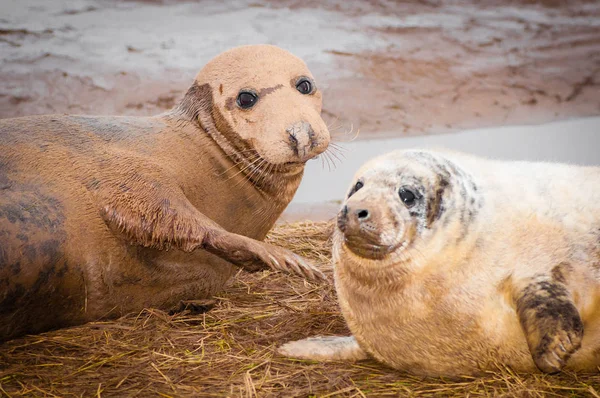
(294, 164)
(289, 167)
(371, 251)
(257, 165)
(366, 232)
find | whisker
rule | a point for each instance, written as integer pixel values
(256, 170)
(338, 147)
(252, 151)
(352, 129)
(265, 173)
(230, 168)
(255, 165)
(328, 160)
(333, 129)
(324, 160)
(338, 155)
(335, 155)
(234, 166)
(332, 122)
(246, 167)
(334, 158)
(347, 133)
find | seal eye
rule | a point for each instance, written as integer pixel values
(246, 99)
(304, 86)
(355, 188)
(407, 197)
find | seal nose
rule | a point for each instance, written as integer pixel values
(349, 220)
(342, 219)
(302, 139)
(364, 224)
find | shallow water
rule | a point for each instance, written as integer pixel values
(574, 141)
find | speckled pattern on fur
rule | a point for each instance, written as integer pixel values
(493, 263)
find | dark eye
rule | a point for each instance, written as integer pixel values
(355, 188)
(407, 197)
(304, 86)
(246, 99)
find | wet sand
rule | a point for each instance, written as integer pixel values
(386, 68)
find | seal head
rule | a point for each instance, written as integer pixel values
(261, 105)
(394, 205)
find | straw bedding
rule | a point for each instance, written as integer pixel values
(230, 350)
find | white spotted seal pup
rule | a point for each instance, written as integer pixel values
(105, 215)
(449, 264)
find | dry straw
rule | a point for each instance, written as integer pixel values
(230, 350)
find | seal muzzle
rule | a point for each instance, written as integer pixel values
(361, 227)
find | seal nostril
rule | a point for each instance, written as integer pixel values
(312, 137)
(362, 214)
(342, 219)
(293, 142)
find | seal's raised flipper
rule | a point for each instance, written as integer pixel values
(155, 214)
(324, 348)
(550, 321)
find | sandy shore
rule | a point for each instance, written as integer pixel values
(386, 68)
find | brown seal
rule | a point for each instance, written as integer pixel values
(448, 264)
(100, 216)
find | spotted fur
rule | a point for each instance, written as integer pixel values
(492, 265)
(551, 323)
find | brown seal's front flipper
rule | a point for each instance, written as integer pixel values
(253, 255)
(149, 212)
(550, 321)
(324, 348)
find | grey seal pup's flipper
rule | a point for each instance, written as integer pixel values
(550, 321)
(324, 348)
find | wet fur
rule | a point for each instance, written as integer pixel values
(101, 216)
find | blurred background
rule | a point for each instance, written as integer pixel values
(388, 69)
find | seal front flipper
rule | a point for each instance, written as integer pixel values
(248, 253)
(153, 214)
(550, 321)
(324, 348)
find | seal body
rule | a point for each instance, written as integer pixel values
(101, 216)
(448, 264)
